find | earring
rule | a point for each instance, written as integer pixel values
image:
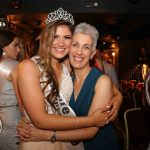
(3, 54)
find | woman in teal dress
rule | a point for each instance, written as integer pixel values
(105, 138)
(92, 89)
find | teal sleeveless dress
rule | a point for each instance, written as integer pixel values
(105, 138)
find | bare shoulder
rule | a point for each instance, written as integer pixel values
(103, 81)
(26, 63)
(104, 78)
(27, 66)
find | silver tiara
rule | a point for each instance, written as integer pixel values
(59, 14)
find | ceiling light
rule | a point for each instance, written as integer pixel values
(91, 4)
(16, 3)
(95, 4)
(3, 23)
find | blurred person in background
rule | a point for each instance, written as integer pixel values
(34, 46)
(146, 98)
(9, 110)
(103, 64)
(23, 50)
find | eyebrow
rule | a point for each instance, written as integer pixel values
(88, 44)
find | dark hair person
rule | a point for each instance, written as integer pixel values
(9, 112)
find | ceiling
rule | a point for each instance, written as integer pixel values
(121, 18)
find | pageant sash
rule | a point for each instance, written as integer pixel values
(62, 106)
(60, 103)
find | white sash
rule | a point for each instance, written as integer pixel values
(62, 107)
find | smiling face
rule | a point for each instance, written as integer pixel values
(62, 42)
(81, 51)
(11, 50)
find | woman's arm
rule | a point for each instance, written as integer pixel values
(33, 101)
(13, 77)
(115, 103)
(28, 132)
(103, 89)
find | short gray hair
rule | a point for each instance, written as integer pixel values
(88, 29)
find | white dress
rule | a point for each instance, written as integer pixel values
(65, 91)
(9, 110)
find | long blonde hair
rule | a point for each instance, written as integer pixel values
(46, 41)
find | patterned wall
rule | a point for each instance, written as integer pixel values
(129, 66)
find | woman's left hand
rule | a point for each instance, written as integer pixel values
(113, 107)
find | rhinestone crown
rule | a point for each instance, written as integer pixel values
(59, 14)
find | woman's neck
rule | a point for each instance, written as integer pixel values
(55, 63)
(81, 74)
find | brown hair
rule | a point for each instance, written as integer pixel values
(6, 37)
(46, 41)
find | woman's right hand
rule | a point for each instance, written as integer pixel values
(27, 132)
(24, 129)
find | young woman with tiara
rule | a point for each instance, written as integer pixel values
(45, 87)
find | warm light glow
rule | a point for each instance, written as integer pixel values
(113, 45)
(113, 53)
(144, 71)
(3, 22)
